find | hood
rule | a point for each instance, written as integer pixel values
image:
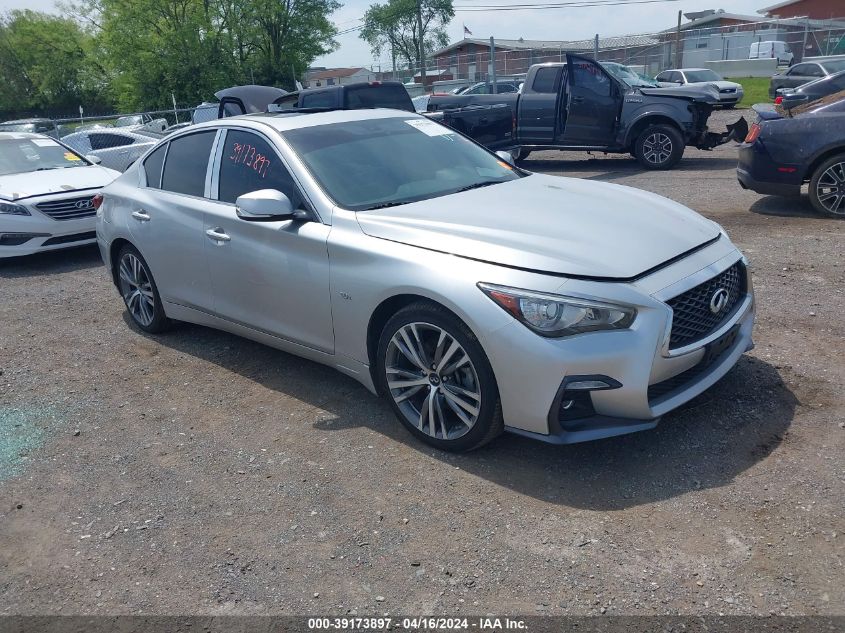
(558, 225)
(721, 85)
(706, 93)
(255, 98)
(40, 183)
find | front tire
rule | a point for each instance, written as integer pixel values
(438, 379)
(827, 187)
(659, 147)
(139, 291)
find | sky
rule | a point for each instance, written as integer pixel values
(552, 24)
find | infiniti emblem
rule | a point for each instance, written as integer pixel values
(718, 301)
(83, 204)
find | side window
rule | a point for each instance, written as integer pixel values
(506, 88)
(324, 99)
(814, 70)
(546, 80)
(107, 141)
(248, 164)
(664, 76)
(591, 77)
(153, 165)
(798, 70)
(187, 163)
(287, 102)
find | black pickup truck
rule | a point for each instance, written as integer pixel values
(578, 105)
(355, 96)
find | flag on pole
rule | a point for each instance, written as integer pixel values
(466, 30)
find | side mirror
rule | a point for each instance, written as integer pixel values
(91, 158)
(505, 156)
(264, 205)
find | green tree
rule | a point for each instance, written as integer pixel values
(48, 64)
(408, 29)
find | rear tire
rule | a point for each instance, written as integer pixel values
(659, 147)
(827, 187)
(437, 377)
(139, 291)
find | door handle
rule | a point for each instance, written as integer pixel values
(141, 215)
(218, 235)
(577, 99)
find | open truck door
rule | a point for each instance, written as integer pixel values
(591, 104)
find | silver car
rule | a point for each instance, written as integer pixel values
(117, 149)
(477, 297)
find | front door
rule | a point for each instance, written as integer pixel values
(593, 104)
(272, 276)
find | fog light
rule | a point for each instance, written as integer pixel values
(16, 239)
(574, 402)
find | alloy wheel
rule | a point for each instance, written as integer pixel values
(657, 148)
(433, 381)
(830, 189)
(136, 289)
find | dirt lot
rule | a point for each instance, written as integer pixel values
(199, 473)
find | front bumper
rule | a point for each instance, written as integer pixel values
(653, 380)
(26, 235)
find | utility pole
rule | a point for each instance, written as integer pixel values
(596, 48)
(678, 42)
(493, 64)
(420, 43)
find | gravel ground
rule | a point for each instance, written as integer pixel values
(198, 473)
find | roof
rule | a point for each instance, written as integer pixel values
(715, 17)
(292, 120)
(24, 121)
(625, 41)
(335, 72)
(779, 5)
(19, 135)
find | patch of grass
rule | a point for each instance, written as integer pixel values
(756, 90)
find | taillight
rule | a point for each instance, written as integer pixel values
(753, 133)
(97, 200)
(778, 99)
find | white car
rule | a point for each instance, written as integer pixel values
(142, 123)
(46, 195)
(730, 93)
(116, 149)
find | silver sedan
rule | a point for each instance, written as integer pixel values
(116, 149)
(476, 297)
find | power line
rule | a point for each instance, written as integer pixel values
(553, 5)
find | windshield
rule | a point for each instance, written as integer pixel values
(694, 76)
(19, 155)
(129, 120)
(377, 163)
(17, 127)
(629, 76)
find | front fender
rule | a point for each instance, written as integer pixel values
(637, 110)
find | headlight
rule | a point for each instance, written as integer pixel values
(556, 315)
(12, 209)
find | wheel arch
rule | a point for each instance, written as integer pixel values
(383, 313)
(822, 157)
(646, 121)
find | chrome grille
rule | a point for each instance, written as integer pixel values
(692, 318)
(69, 208)
(728, 90)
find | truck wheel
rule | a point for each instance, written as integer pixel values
(827, 187)
(659, 147)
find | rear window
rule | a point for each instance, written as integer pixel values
(187, 164)
(378, 96)
(546, 80)
(325, 99)
(153, 165)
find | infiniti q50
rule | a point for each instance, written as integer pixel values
(476, 297)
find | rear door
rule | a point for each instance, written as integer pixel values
(593, 104)
(166, 221)
(539, 106)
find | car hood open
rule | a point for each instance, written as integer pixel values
(40, 183)
(565, 226)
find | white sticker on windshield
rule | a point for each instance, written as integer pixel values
(429, 127)
(45, 142)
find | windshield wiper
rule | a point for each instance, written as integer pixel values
(384, 205)
(478, 185)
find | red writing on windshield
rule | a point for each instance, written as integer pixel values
(246, 155)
